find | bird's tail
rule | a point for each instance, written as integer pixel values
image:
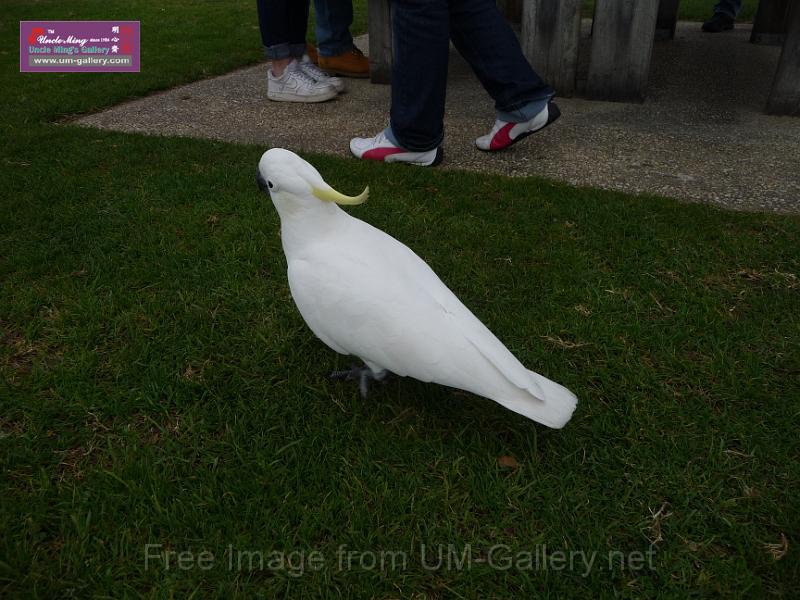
(546, 402)
(518, 388)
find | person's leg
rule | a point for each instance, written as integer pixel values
(273, 21)
(298, 25)
(522, 100)
(333, 20)
(485, 39)
(283, 28)
(337, 53)
(725, 13)
(420, 29)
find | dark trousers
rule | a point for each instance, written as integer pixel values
(422, 30)
(283, 26)
(333, 21)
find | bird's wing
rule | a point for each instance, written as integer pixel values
(419, 276)
(387, 306)
(483, 340)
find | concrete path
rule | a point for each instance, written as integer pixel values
(700, 136)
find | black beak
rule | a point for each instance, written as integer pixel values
(262, 183)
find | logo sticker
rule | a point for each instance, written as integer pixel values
(79, 46)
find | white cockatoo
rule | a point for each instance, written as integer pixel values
(364, 293)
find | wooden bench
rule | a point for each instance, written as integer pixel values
(622, 40)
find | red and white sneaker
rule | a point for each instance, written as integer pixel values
(380, 148)
(505, 134)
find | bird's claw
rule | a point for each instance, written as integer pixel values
(346, 375)
(361, 374)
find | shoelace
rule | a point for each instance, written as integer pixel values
(302, 75)
(314, 71)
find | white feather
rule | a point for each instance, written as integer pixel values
(364, 293)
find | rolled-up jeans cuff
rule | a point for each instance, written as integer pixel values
(525, 112)
(279, 51)
(297, 50)
(391, 137)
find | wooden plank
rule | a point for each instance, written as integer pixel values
(667, 19)
(550, 36)
(785, 96)
(621, 48)
(379, 16)
(769, 25)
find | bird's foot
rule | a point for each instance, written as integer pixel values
(361, 374)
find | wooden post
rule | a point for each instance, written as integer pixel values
(785, 96)
(621, 48)
(379, 15)
(550, 35)
(667, 19)
(769, 26)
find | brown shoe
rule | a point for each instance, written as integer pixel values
(311, 50)
(352, 63)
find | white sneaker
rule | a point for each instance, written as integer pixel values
(381, 149)
(504, 134)
(295, 86)
(320, 76)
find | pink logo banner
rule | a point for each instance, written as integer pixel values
(79, 46)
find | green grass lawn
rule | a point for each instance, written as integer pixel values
(159, 387)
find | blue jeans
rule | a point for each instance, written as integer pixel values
(729, 7)
(283, 25)
(422, 30)
(333, 20)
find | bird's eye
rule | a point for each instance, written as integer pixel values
(269, 183)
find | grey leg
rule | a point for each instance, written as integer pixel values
(361, 374)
